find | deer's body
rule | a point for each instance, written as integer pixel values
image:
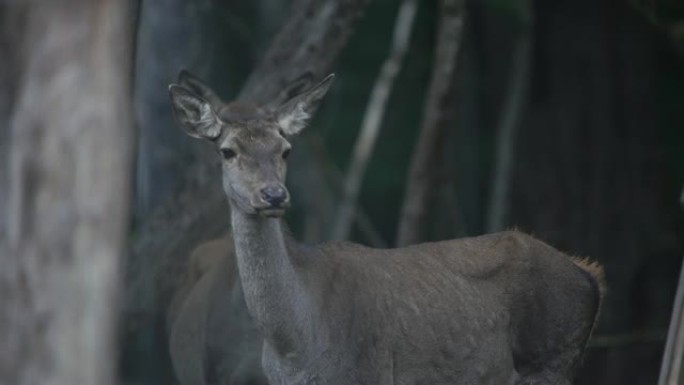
(496, 309)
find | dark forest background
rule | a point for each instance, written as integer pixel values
(563, 118)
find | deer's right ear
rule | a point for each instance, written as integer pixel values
(194, 114)
(294, 114)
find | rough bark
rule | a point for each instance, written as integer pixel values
(438, 118)
(70, 157)
(6, 100)
(310, 40)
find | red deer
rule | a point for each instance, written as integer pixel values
(496, 309)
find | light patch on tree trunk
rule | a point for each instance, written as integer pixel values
(70, 158)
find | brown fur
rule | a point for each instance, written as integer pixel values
(212, 340)
(594, 269)
(218, 255)
(497, 309)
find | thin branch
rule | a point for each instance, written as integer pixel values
(438, 117)
(673, 357)
(372, 119)
(505, 144)
(363, 221)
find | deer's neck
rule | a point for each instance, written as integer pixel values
(269, 279)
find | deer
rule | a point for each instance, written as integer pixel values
(212, 339)
(495, 309)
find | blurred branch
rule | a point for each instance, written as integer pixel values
(366, 226)
(310, 41)
(672, 367)
(438, 117)
(372, 119)
(513, 106)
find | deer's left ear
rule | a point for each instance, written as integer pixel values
(294, 114)
(194, 114)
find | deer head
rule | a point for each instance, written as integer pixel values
(251, 140)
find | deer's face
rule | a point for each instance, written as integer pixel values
(252, 141)
(253, 166)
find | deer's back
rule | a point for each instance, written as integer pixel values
(476, 310)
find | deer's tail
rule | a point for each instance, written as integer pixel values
(595, 272)
(597, 277)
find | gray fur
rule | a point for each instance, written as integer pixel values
(497, 309)
(212, 338)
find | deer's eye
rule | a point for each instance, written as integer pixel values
(286, 153)
(227, 153)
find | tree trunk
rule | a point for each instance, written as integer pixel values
(437, 120)
(8, 76)
(70, 157)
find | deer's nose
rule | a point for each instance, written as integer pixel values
(274, 195)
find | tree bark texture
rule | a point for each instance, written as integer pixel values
(310, 40)
(438, 118)
(8, 76)
(70, 159)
